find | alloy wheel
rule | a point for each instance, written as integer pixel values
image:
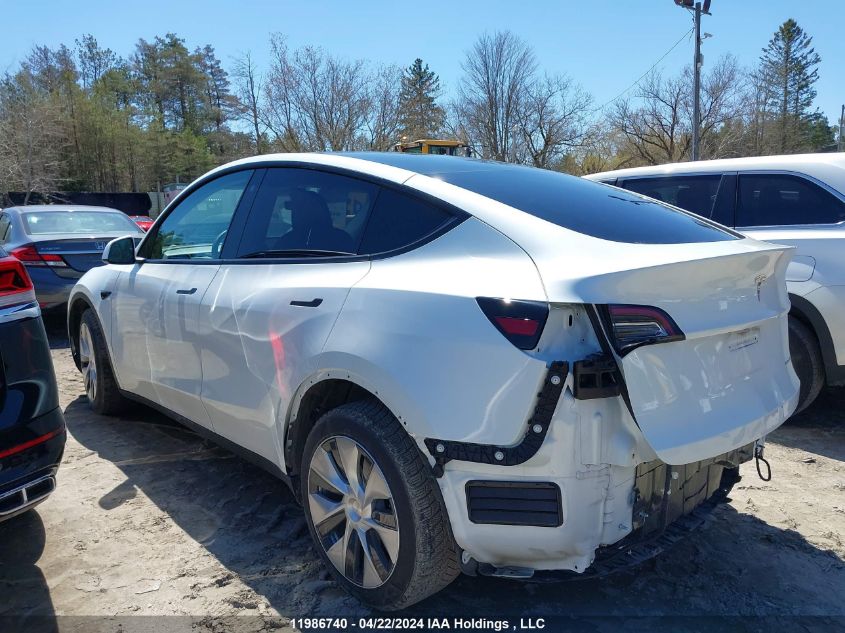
(353, 512)
(88, 361)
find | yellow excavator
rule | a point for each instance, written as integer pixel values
(442, 147)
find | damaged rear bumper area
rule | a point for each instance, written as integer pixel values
(581, 490)
(668, 503)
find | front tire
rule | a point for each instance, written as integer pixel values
(94, 363)
(374, 509)
(807, 362)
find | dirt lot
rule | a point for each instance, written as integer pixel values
(150, 519)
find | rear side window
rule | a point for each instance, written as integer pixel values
(399, 220)
(587, 207)
(5, 223)
(783, 199)
(307, 210)
(693, 193)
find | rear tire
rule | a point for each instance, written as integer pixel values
(398, 568)
(807, 362)
(95, 364)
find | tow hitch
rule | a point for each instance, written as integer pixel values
(758, 459)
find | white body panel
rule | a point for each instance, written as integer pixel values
(257, 348)
(408, 328)
(156, 351)
(413, 330)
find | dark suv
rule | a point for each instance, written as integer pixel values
(32, 427)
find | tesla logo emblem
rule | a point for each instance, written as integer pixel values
(101, 246)
(760, 280)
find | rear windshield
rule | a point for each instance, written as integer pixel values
(39, 223)
(588, 207)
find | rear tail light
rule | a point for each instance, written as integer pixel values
(30, 256)
(633, 326)
(521, 322)
(15, 284)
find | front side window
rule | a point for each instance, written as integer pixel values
(691, 193)
(783, 199)
(197, 227)
(304, 212)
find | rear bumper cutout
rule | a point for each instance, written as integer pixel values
(538, 425)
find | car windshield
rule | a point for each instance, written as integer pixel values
(42, 222)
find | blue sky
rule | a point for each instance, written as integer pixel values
(604, 45)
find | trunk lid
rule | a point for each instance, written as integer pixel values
(730, 381)
(81, 254)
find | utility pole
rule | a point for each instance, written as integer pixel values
(696, 87)
(842, 129)
(697, 10)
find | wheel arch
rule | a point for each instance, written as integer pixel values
(326, 390)
(808, 314)
(76, 307)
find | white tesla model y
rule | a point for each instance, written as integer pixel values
(456, 364)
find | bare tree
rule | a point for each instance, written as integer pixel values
(30, 138)
(726, 102)
(553, 118)
(279, 108)
(657, 122)
(248, 88)
(498, 72)
(314, 101)
(384, 115)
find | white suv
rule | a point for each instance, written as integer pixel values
(455, 364)
(797, 200)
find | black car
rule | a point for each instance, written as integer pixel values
(32, 427)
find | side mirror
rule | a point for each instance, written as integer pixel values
(120, 251)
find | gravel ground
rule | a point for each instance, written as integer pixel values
(150, 520)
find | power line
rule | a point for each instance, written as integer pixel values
(641, 77)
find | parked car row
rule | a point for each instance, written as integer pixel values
(460, 365)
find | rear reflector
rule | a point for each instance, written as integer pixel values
(30, 444)
(632, 326)
(15, 284)
(521, 322)
(30, 256)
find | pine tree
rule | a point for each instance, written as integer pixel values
(420, 115)
(789, 66)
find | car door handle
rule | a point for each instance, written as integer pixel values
(307, 304)
(186, 291)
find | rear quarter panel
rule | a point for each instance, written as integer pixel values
(412, 332)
